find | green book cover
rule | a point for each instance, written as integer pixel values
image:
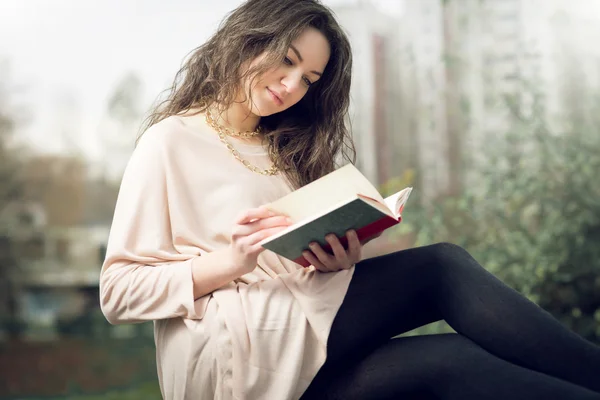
(355, 214)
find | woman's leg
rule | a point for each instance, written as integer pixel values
(398, 292)
(447, 366)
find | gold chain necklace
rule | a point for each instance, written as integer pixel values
(228, 131)
(220, 131)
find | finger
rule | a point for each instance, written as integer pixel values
(354, 246)
(338, 250)
(262, 234)
(325, 258)
(314, 261)
(269, 222)
(264, 223)
(254, 213)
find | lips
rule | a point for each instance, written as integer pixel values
(276, 97)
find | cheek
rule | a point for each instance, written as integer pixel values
(260, 82)
(267, 78)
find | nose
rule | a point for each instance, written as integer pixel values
(292, 82)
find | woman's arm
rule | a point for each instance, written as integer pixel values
(132, 292)
(143, 276)
(212, 271)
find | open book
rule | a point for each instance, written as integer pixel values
(335, 203)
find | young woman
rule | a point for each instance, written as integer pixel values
(254, 113)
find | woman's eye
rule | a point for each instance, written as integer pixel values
(307, 81)
(287, 61)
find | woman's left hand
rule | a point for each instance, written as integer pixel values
(340, 259)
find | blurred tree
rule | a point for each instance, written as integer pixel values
(456, 69)
(99, 204)
(123, 116)
(66, 123)
(58, 183)
(124, 103)
(10, 159)
(10, 192)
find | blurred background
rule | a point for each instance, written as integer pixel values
(489, 108)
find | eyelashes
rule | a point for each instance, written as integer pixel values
(289, 62)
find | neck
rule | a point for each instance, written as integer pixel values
(238, 118)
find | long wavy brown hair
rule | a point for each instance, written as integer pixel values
(305, 141)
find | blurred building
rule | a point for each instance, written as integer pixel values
(484, 55)
(118, 126)
(375, 88)
(51, 273)
(575, 56)
(465, 63)
(52, 243)
(422, 96)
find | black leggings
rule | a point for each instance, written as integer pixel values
(506, 347)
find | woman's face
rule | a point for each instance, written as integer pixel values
(284, 85)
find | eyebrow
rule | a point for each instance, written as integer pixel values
(301, 59)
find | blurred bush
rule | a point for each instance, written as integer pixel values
(147, 391)
(531, 215)
(75, 367)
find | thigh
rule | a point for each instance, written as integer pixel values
(388, 295)
(448, 366)
(405, 368)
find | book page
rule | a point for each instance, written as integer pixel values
(378, 205)
(397, 201)
(345, 183)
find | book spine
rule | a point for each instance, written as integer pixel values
(363, 233)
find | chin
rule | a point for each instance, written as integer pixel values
(264, 110)
(266, 114)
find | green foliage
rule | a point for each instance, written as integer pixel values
(80, 368)
(147, 391)
(144, 391)
(398, 183)
(532, 216)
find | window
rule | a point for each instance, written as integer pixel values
(31, 249)
(62, 249)
(25, 219)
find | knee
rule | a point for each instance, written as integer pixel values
(449, 258)
(445, 252)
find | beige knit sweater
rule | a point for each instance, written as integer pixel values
(261, 337)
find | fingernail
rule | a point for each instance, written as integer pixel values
(289, 220)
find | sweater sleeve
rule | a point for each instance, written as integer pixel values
(143, 276)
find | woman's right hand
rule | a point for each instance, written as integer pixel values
(251, 227)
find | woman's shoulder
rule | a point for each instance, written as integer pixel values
(169, 142)
(177, 131)
(168, 138)
(164, 132)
